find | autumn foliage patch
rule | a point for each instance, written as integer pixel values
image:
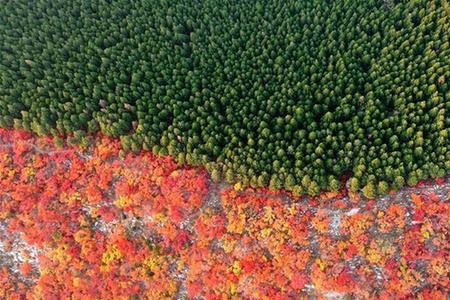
(88, 224)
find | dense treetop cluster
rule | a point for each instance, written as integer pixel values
(86, 224)
(289, 93)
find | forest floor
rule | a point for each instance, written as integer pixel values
(88, 224)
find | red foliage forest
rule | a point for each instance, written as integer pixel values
(91, 224)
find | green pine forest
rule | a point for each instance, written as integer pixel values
(287, 94)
